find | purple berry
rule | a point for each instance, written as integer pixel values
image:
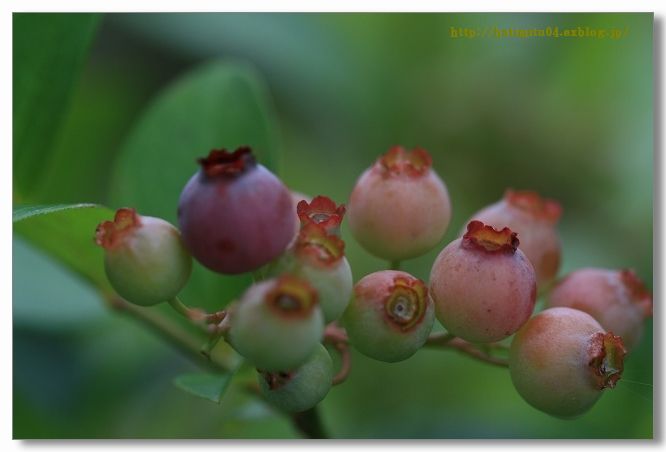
(234, 214)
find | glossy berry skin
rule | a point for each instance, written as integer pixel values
(483, 286)
(562, 359)
(277, 323)
(145, 259)
(399, 207)
(534, 219)
(617, 299)
(301, 389)
(318, 257)
(390, 315)
(234, 214)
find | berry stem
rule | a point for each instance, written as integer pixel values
(337, 337)
(394, 265)
(446, 340)
(309, 424)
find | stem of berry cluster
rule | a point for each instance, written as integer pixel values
(394, 265)
(481, 353)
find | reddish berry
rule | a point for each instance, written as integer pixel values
(562, 359)
(390, 315)
(534, 219)
(483, 286)
(323, 212)
(297, 197)
(277, 323)
(399, 208)
(301, 389)
(617, 299)
(234, 214)
(319, 258)
(144, 258)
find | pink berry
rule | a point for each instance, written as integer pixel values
(534, 219)
(390, 315)
(617, 299)
(234, 214)
(562, 359)
(483, 286)
(399, 208)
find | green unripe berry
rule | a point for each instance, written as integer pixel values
(318, 257)
(300, 389)
(390, 315)
(277, 323)
(145, 259)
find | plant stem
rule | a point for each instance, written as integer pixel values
(446, 340)
(394, 265)
(309, 424)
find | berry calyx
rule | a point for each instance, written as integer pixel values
(483, 286)
(399, 207)
(390, 315)
(617, 299)
(562, 359)
(318, 257)
(298, 390)
(534, 219)
(323, 212)
(277, 323)
(145, 259)
(234, 214)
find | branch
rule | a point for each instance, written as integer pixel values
(338, 338)
(446, 340)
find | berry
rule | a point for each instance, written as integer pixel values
(617, 299)
(390, 315)
(483, 286)
(277, 323)
(319, 258)
(399, 208)
(562, 359)
(300, 389)
(534, 220)
(234, 214)
(144, 258)
(323, 212)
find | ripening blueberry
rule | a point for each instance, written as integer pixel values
(390, 315)
(399, 207)
(617, 299)
(562, 359)
(277, 323)
(534, 219)
(300, 389)
(318, 257)
(234, 214)
(483, 286)
(144, 257)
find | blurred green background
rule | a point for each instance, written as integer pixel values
(113, 109)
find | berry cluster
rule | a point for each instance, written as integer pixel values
(235, 216)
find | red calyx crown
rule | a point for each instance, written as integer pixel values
(639, 294)
(318, 247)
(398, 161)
(606, 359)
(223, 163)
(532, 203)
(323, 212)
(110, 234)
(486, 238)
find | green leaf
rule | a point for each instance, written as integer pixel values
(207, 386)
(49, 52)
(66, 233)
(213, 106)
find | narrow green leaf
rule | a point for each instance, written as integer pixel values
(48, 53)
(207, 386)
(66, 233)
(213, 106)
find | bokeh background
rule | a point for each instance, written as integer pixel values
(571, 118)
